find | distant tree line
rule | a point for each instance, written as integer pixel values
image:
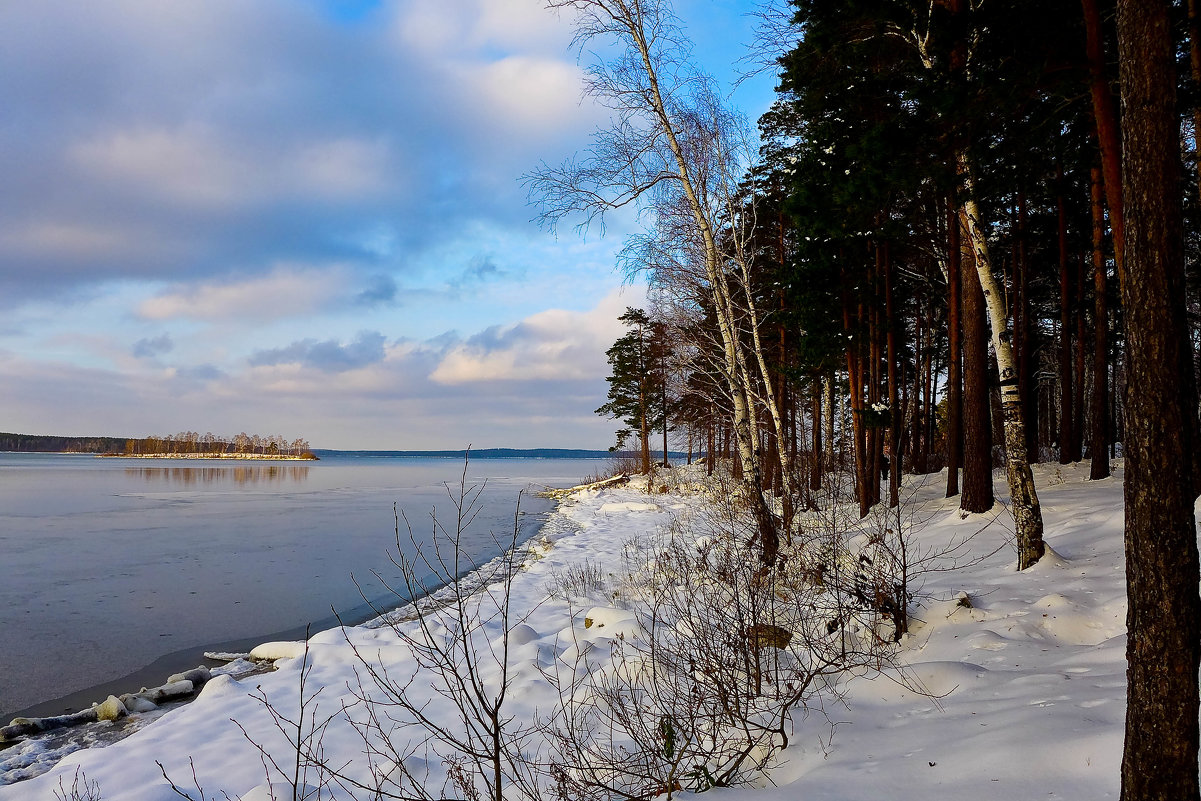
(192, 442)
(36, 443)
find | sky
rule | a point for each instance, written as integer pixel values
(306, 217)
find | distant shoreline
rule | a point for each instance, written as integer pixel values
(270, 457)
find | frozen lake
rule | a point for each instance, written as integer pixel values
(107, 565)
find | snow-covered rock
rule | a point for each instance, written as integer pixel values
(271, 651)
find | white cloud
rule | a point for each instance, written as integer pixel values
(282, 293)
(554, 345)
(525, 94)
(435, 27)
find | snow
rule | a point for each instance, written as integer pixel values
(271, 651)
(1009, 685)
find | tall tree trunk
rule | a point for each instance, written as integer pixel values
(1194, 60)
(815, 473)
(955, 361)
(663, 409)
(977, 495)
(644, 428)
(896, 419)
(734, 367)
(1099, 444)
(1023, 499)
(1027, 385)
(1108, 135)
(930, 370)
(828, 419)
(1078, 386)
(875, 434)
(1163, 620)
(711, 444)
(1066, 433)
(855, 384)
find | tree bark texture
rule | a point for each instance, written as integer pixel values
(1066, 432)
(1159, 760)
(955, 362)
(1027, 383)
(897, 419)
(1023, 499)
(1108, 135)
(1099, 444)
(1078, 386)
(977, 494)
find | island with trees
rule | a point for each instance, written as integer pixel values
(193, 445)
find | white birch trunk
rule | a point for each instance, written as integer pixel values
(828, 419)
(736, 374)
(1027, 516)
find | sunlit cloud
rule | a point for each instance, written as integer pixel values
(553, 345)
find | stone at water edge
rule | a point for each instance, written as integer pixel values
(111, 709)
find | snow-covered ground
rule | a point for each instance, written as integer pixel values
(1023, 673)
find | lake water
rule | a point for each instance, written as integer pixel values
(116, 572)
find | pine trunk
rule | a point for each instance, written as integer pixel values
(1108, 136)
(955, 360)
(1078, 386)
(896, 419)
(815, 472)
(1163, 620)
(1100, 401)
(977, 495)
(1066, 433)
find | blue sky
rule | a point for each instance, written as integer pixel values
(305, 217)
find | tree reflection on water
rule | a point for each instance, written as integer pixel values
(241, 474)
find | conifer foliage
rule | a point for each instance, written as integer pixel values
(638, 382)
(955, 249)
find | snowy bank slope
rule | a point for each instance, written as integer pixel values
(1026, 686)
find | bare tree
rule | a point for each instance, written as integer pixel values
(669, 148)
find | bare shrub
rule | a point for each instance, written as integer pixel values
(81, 789)
(704, 691)
(584, 580)
(304, 735)
(460, 648)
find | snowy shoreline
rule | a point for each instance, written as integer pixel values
(1024, 672)
(77, 709)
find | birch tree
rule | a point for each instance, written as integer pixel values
(920, 34)
(668, 147)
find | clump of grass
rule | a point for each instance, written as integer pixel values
(584, 580)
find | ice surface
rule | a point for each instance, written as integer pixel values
(109, 565)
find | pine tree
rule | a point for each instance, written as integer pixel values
(1164, 617)
(637, 385)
